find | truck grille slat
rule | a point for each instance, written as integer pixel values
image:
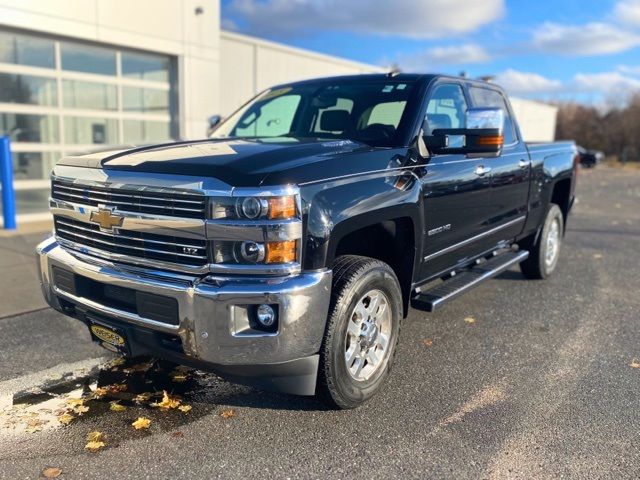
(149, 246)
(153, 202)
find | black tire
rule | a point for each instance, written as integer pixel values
(536, 266)
(354, 277)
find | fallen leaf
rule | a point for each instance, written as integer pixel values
(184, 408)
(179, 378)
(65, 418)
(94, 436)
(117, 362)
(228, 413)
(141, 423)
(99, 392)
(635, 363)
(33, 425)
(470, 320)
(168, 401)
(94, 446)
(80, 409)
(116, 407)
(74, 401)
(142, 397)
(51, 472)
(116, 388)
(427, 342)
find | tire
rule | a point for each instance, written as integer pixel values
(542, 262)
(361, 287)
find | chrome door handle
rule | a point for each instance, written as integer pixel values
(523, 164)
(481, 170)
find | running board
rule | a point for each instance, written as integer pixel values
(466, 280)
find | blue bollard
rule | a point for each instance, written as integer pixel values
(6, 179)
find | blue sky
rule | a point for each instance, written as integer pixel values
(584, 50)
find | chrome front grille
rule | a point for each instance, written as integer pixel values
(148, 201)
(125, 244)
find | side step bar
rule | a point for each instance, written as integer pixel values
(466, 280)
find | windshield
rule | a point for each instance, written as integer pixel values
(369, 112)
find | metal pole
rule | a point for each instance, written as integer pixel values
(6, 179)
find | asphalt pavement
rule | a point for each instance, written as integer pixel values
(517, 379)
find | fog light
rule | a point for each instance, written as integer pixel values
(266, 315)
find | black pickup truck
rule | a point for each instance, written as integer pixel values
(284, 251)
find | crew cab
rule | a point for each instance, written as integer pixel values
(285, 250)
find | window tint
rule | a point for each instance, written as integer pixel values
(27, 89)
(272, 119)
(145, 67)
(485, 97)
(447, 108)
(26, 50)
(82, 58)
(388, 113)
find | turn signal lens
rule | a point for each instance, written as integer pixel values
(490, 141)
(281, 252)
(282, 208)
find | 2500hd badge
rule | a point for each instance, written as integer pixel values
(284, 251)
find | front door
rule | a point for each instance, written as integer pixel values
(455, 191)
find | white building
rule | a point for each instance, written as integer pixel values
(76, 74)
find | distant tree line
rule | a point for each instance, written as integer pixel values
(615, 130)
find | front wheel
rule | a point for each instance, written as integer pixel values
(362, 331)
(545, 252)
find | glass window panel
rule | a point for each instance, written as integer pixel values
(33, 165)
(26, 50)
(91, 95)
(136, 99)
(29, 128)
(82, 58)
(88, 131)
(27, 89)
(144, 131)
(145, 67)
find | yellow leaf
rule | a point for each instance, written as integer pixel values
(116, 407)
(94, 446)
(141, 423)
(184, 408)
(94, 436)
(427, 342)
(51, 472)
(75, 401)
(470, 320)
(65, 418)
(635, 363)
(179, 378)
(167, 402)
(80, 409)
(228, 413)
(142, 397)
(117, 362)
(100, 392)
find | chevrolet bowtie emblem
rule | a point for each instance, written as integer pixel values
(106, 218)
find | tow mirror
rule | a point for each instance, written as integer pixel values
(213, 121)
(482, 135)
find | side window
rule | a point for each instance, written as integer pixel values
(447, 108)
(273, 119)
(485, 97)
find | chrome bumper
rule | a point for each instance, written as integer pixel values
(210, 309)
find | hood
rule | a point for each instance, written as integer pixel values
(236, 162)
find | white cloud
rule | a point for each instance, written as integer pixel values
(589, 39)
(526, 83)
(628, 11)
(451, 55)
(228, 24)
(633, 70)
(600, 84)
(404, 18)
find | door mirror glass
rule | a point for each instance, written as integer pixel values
(482, 118)
(212, 123)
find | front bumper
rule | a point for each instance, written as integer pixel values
(212, 314)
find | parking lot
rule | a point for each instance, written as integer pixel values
(518, 379)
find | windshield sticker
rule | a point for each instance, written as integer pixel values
(387, 88)
(402, 86)
(275, 93)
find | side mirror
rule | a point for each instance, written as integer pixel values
(483, 134)
(213, 121)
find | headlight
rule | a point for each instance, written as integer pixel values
(255, 253)
(253, 208)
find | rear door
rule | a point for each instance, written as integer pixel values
(510, 172)
(456, 197)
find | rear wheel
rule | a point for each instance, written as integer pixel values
(362, 331)
(545, 252)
